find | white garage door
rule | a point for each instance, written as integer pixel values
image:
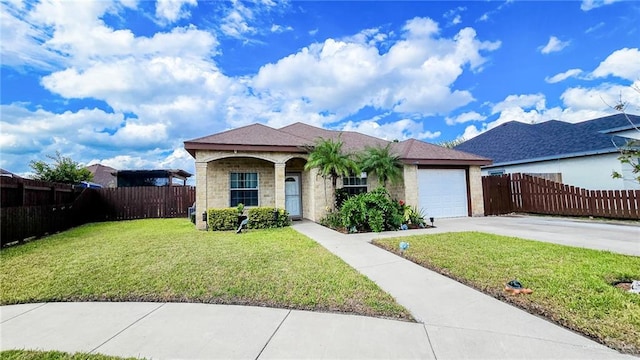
(442, 192)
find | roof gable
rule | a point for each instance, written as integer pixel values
(254, 134)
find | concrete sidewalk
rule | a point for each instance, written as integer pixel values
(461, 322)
(204, 331)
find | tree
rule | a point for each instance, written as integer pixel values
(382, 162)
(327, 156)
(63, 170)
(630, 151)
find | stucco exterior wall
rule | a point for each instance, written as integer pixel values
(475, 191)
(589, 172)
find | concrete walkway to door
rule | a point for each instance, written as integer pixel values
(461, 323)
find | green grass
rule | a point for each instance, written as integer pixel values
(571, 286)
(52, 355)
(168, 260)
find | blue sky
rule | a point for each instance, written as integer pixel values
(124, 83)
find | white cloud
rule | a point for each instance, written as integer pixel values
(528, 101)
(592, 4)
(415, 76)
(487, 16)
(464, 117)
(594, 27)
(623, 63)
(170, 11)
(275, 28)
(563, 76)
(245, 18)
(554, 45)
(21, 43)
(236, 25)
(453, 16)
(600, 98)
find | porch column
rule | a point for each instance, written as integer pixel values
(201, 194)
(279, 185)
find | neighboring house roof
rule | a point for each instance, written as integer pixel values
(6, 173)
(154, 173)
(298, 137)
(608, 124)
(103, 175)
(515, 142)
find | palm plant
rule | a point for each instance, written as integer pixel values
(331, 162)
(382, 162)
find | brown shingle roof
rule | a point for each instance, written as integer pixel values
(295, 137)
(419, 152)
(353, 141)
(251, 137)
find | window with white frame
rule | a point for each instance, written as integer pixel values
(244, 188)
(355, 184)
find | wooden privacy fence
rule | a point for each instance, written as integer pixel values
(146, 202)
(27, 192)
(94, 205)
(524, 193)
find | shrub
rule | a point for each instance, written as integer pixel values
(340, 197)
(332, 220)
(412, 215)
(223, 219)
(374, 211)
(263, 218)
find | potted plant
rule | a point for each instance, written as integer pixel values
(241, 216)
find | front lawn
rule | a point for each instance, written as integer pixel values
(168, 260)
(53, 355)
(571, 286)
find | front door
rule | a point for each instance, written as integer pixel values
(292, 198)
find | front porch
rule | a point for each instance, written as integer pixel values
(224, 179)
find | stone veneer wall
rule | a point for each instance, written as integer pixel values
(475, 189)
(410, 193)
(219, 194)
(212, 177)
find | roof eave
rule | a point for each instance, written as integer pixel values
(193, 147)
(467, 162)
(557, 157)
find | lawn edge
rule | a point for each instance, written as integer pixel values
(538, 311)
(234, 302)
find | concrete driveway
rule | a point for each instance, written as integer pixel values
(618, 237)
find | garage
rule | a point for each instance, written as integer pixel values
(442, 193)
